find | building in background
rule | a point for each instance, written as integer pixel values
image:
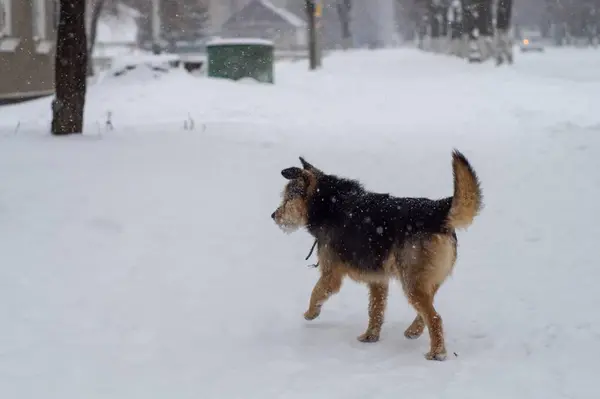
(221, 10)
(372, 22)
(27, 47)
(262, 19)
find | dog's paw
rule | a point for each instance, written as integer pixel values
(413, 333)
(311, 314)
(368, 337)
(439, 356)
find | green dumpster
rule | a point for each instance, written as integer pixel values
(239, 58)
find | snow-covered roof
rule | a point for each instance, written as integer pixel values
(289, 16)
(239, 40)
(253, 9)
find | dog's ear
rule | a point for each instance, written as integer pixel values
(308, 167)
(305, 164)
(292, 173)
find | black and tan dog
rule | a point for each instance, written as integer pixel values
(373, 238)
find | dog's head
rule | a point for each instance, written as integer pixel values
(292, 213)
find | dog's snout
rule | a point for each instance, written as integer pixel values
(273, 215)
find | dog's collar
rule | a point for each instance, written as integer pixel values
(310, 253)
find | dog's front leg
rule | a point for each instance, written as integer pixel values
(378, 293)
(329, 284)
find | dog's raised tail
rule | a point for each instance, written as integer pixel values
(467, 200)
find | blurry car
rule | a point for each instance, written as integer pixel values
(531, 42)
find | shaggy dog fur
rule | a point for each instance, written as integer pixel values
(373, 238)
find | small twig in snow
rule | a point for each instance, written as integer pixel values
(189, 123)
(109, 125)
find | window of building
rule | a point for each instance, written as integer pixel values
(7, 43)
(5, 18)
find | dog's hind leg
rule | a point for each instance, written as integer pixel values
(329, 284)
(422, 281)
(415, 330)
(422, 301)
(378, 294)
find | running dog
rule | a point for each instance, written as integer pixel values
(373, 238)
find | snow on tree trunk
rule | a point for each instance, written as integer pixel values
(70, 69)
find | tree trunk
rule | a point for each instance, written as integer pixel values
(96, 12)
(344, 7)
(503, 14)
(483, 23)
(312, 34)
(468, 19)
(443, 13)
(70, 69)
(436, 28)
(456, 22)
(483, 19)
(443, 17)
(503, 43)
(434, 23)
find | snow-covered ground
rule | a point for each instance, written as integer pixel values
(142, 262)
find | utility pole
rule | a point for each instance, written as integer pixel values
(319, 23)
(313, 11)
